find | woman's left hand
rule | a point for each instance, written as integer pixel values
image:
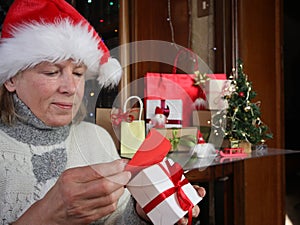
(196, 210)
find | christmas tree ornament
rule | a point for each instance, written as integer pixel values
(203, 149)
(160, 119)
(258, 121)
(247, 108)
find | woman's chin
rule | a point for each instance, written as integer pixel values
(59, 121)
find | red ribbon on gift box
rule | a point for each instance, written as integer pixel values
(175, 173)
(152, 151)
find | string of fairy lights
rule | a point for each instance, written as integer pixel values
(110, 9)
(241, 120)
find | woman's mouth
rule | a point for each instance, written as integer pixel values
(63, 105)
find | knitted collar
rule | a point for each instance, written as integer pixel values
(31, 130)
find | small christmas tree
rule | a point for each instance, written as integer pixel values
(241, 120)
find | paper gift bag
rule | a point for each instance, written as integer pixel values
(174, 86)
(110, 119)
(132, 132)
(170, 113)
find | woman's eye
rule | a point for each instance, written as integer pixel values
(51, 73)
(78, 74)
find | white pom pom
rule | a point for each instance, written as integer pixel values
(200, 104)
(110, 73)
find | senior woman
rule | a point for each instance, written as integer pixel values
(55, 168)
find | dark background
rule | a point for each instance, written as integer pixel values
(291, 53)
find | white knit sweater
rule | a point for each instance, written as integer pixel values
(86, 144)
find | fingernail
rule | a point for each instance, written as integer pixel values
(128, 174)
(125, 161)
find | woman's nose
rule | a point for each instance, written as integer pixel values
(68, 83)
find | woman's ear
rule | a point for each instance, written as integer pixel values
(10, 84)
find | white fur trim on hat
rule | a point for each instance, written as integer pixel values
(113, 71)
(35, 42)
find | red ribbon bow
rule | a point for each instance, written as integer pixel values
(175, 175)
(119, 116)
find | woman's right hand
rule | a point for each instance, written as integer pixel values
(80, 196)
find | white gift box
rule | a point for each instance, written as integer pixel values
(215, 91)
(174, 119)
(149, 183)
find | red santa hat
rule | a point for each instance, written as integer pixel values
(159, 110)
(52, 30)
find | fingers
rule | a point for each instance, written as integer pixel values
(94, 172)
(201, 191)
(84, 194)
(111, 168)
(104, 186)
(113, 172)
(183, 221)
(195, 213)
(95, 181)
(97, 205)
(196, 210)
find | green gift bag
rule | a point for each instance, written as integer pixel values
(132, 132)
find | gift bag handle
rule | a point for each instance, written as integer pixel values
(140, 101)
(177, 57)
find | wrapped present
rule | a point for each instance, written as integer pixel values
(163, 192)
(216, 87)
(163, 113)
(246, 145)
(158, 184)
(182, 139)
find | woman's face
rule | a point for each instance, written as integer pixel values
(52, 91)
